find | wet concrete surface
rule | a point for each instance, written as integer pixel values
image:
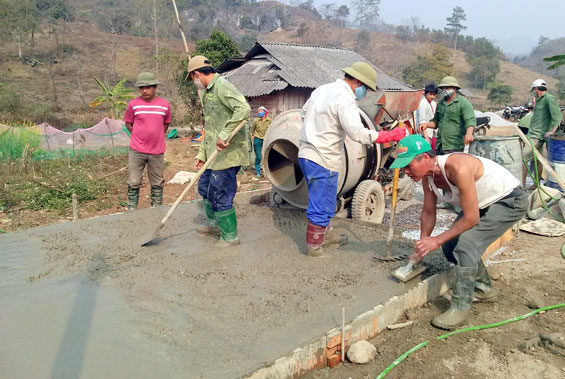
(85, 300)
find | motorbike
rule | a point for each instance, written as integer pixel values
(514, 113)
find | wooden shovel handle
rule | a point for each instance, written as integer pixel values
(208, 162)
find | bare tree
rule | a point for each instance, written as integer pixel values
(79, 63)
(155, 21)
(341, 14)
(367, 12)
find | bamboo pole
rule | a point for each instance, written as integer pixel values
(185, 44)
(181, 30)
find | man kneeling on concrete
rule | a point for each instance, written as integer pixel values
(491, 200)
(329, 115)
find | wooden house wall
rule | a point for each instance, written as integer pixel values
(280, 101)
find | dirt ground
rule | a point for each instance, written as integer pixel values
(210, 313)
(173, 273)
(491, 353)
(179, 156)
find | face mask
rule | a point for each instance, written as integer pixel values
(446, 93)
(261, 114)
(360, 92)
(198, 84)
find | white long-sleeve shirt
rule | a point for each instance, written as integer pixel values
(330, 113)
(425, 113)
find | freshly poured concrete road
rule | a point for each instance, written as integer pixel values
(85, 300)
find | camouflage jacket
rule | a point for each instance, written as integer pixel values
(224, 108)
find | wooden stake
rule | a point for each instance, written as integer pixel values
(343, 334)
(75, 207)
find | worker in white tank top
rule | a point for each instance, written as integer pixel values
(495, 183)
(491, 201)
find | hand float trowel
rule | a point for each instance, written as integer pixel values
(410, 271)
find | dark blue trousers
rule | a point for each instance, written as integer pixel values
(219, 187)
(322, 192)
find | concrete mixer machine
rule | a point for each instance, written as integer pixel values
(364, 178)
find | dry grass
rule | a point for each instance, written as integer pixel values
(93, 57)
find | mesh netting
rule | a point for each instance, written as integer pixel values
(108, 136)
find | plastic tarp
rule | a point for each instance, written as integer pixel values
(495, 120)
(108, 133)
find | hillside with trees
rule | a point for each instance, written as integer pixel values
(52, 50)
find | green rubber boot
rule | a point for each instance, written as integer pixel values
(133, 198)
(212, 227)
(483, 285)
(227, 222)
(461, 299)
(156, 197)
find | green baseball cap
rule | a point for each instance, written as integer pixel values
(146, 79)
(408, 148)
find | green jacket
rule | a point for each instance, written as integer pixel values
(525, 121)
(224, 108)
(260, 127)
(452, 121)
(545, 117)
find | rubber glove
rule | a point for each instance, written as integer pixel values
(394, 135)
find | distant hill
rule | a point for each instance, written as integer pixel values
(535, 62)
(93, 48)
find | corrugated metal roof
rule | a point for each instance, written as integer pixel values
(256, 77)
(300, 66)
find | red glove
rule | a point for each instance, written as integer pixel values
(394, 135)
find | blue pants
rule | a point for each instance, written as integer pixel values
(219, 188)
(322, 192)
(257, 146)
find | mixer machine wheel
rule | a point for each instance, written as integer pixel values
(368, 202)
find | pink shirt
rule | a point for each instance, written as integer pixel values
(148, 118)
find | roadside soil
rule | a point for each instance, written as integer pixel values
(490, 353)
(179, 156)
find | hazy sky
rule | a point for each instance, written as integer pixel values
(510, 23)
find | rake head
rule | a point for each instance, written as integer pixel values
(389, 258)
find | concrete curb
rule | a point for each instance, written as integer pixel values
(326, 351)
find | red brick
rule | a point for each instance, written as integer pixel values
(332, 350)
(333, 339)
(334, 360)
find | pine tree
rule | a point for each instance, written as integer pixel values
(454, 26)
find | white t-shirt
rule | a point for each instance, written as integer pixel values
(328, 116)
(425, 113)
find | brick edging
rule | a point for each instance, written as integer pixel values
(326, 350)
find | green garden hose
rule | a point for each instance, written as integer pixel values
(537, 183)
(472, 328)
(563, 251)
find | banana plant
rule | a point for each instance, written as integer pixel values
(558, 59)
(116, 97)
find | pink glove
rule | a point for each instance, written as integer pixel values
(394, 135)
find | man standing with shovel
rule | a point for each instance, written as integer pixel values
(491, 200)
(224, 109)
